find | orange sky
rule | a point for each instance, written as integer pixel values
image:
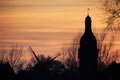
(45, 24)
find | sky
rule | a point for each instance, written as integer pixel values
(46, 25)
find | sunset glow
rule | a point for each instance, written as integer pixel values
(46, 24)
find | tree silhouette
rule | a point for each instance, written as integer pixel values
(110, 34)
(70, 54)
(69, 57)
(6, 72)
(112, 9)
(3, 54)
(13, 56)
(105, 43)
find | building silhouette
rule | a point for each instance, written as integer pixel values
(88, 53)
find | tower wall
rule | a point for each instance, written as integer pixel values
(88, 53)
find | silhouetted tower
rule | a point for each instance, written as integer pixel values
(88, 53)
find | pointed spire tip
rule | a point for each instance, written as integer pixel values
(88, 11)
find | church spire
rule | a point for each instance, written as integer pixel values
(88, 11)
(88, 52)
(88, 23)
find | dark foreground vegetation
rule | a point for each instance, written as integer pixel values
(49, 68)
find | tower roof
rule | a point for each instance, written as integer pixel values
(88, 17)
